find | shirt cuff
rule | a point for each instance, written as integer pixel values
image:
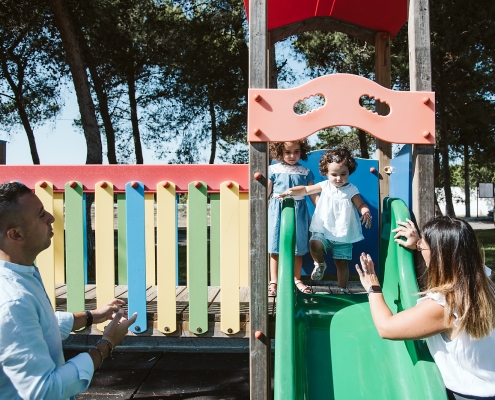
(65, 323)
(85, 366)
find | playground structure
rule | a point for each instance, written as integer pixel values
(375, 22)
(237, 247)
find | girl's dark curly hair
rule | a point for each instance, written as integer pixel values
(277, 149)
(339, 155)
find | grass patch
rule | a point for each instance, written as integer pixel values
(487, 239)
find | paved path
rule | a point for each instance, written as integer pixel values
(481, 223)
(203, 372)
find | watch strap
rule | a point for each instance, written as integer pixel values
(89, 319)
(374, 289)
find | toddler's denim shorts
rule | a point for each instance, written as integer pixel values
(340, 251)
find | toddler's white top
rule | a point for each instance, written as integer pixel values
(467, 365)
(335, 215)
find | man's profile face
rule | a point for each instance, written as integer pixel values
(36, 223)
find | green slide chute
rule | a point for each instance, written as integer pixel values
(327, 347)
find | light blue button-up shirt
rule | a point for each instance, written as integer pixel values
(31, 356)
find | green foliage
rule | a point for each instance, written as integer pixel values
(342, 136)
(201, 98)
(31, 67)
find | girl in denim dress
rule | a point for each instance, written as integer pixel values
(285, 174)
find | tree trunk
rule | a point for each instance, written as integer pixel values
(134, 118)
(467, 186)
(444, 151)
(21, 110)
(436, 170)
(213, 131)
(29, 132)
(100, 94)
(363, 145)
(89, 122)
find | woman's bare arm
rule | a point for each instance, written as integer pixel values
(423, 320)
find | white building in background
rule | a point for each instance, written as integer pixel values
(479, 207)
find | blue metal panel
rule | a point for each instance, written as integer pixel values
(136, 255)
(177, 239)
(368, 185)
(85, 241)
(401, 176)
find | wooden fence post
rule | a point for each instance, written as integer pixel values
(420, 80)
(260, 347)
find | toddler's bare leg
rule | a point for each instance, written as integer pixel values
(274, 267)
(317, 250)
(272, 286)
(342, 272)
(297, 267)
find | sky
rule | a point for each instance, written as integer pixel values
(60, 143)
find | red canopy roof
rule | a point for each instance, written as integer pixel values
(379, 15)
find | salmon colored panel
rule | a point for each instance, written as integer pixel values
(272, 117)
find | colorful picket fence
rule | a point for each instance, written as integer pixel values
(146, 200)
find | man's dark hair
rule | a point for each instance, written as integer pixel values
(9, 194)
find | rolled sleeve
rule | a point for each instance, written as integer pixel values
(65, 323)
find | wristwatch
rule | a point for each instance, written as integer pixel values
(374, 289)
(89, 319)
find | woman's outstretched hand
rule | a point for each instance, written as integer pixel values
(366, 273)
(407, 230)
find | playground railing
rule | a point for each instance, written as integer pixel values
(136, 236)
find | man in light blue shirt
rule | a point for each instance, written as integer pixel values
(31, 356)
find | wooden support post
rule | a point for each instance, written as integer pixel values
(382, 77)
(3, 152)
(260, 348)
(420, 80)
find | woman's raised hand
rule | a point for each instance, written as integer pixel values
(406, 230)
(366, 273)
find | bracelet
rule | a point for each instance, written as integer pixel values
(101, 355)
(107, 343)
(89, 319)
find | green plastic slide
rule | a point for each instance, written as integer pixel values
(327, 347)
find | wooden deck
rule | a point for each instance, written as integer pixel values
(182, 304)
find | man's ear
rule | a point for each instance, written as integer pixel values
(15, 234)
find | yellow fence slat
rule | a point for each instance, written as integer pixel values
(46, 259)
(149, 217)
(244, 239)
(167, 257)
(104, 245)
(58, 237)
(229, 257)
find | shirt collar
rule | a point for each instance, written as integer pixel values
(22, 269)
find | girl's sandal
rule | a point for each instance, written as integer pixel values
(272, 291)
(305, 288)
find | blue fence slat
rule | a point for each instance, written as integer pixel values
(136, 255)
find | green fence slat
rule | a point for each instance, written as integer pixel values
(74, 247)
(215, 239)
(197, 255)
(121, 240)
